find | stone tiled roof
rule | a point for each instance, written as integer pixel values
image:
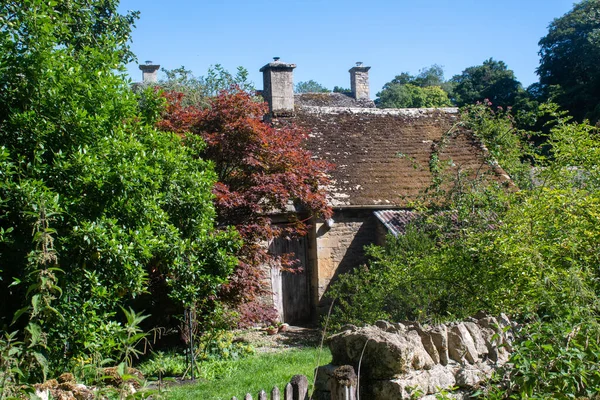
(382, 156)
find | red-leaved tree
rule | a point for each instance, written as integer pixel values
(262, 172)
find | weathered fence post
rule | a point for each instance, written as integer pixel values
(343, 383)
(300, 387)
(248, 396)
(262, 395)
(275, 395)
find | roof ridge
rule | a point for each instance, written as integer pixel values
(414, 112)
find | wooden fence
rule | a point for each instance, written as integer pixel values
(296, 389)
(342, 384)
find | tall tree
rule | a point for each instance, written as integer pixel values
(569, 59)
(261, 170)
(427, 89)
(411, 96)
(310, 87)
(492, 81)
(93, 199)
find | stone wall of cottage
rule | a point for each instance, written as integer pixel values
(340, 248)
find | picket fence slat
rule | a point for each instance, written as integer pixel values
(288, 395)
(275, 395)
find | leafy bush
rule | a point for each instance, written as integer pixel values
(531, 253)
(557, 359)
(221, 345)
(94, 202)
(164, 364)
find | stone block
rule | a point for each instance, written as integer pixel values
(439, 336)
(403, 387)
(461, 346)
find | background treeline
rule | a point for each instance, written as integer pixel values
(568, 76)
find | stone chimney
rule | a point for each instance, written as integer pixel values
(278, 87)
(149, 72)
(359, 81)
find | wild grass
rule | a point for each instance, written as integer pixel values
(251, 374)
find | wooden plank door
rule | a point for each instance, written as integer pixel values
(291, 290)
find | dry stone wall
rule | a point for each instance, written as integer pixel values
(402, 359)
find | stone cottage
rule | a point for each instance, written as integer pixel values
(382, 161)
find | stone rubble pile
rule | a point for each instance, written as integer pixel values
(66, 388)
(400, 360)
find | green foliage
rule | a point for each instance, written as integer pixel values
(557, 359)
(198, 90)
(569, 54)
(220, 345)
(411, 96)
(310, 87)
(492, 81)
(12, 372)
(339, 89)
(163, 364)
(507, 146)
(431, 76)
(387, 287)
(427, 89)
(93, 200)
(131, 337)
(214, 352)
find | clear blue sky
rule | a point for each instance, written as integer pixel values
(326, 37)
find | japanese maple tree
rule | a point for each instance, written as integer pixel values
(262, 171)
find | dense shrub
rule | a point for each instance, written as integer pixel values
(93, 199)
(532, 253)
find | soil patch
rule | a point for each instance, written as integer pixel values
(294, 337)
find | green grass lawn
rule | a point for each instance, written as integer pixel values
(251, 374)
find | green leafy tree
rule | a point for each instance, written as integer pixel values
(411, 96)
(492, 81)
(339, 89)
(430, 76)
(198, 90)
(310, 87)
(427, 89)
(569, 56)
(94, 201)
